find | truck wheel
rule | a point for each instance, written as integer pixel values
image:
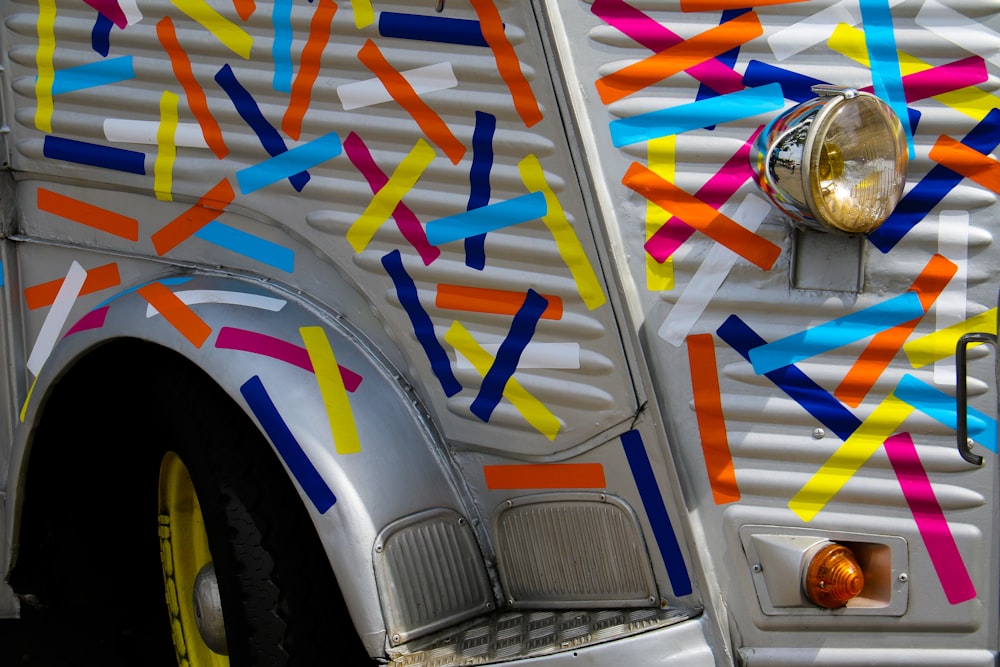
(246, 579)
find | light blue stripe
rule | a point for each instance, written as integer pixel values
(91, 75)
(487, 218)
(883, 58)
(169, 282)
(704, 113)
(836, 333)
(941, 407)
(289, 163)
(281, 47)
(248, 245)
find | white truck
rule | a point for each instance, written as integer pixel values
(549, 332)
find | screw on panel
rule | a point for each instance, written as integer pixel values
(818, 434)
(395, 639)
(461, 521)
(378, 548)
(903, 577)
(757, 568)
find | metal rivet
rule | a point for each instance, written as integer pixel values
(378, 548)
(757, 568)
(818, 434)
(903, 577)
(395, 639)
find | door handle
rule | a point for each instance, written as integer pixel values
(962, 393)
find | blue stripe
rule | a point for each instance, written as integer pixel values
(289, 164)
(933, 187)
(880, 38)
(942, 408)
(656, 512)
(728, 58)
(248, 245)
(91, 75)
(794, 86)
(431, 29)
(479, 181)
(522, 328)
(247, 107)
(100, 35)
(423, 327)
(814, 399)
(697, 115)
(836, 333)
(281, 46)
(487, 219)
(169, 282)
(288, 447)
(94, 155)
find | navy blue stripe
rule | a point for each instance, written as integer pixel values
(94, 155)
(100, 35)
(479, 181)
(431, 29)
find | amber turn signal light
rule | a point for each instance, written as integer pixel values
(833, 577)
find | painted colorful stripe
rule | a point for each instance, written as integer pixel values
(930, 519)
(93, 320)
(942, 407)
(529, 407)
(711, 419)
(426, 118)
(181, 228)
(98, 278)
(166, 148)
(44, 64)
(364, 14)
(423, 80)
(56, 318)
(94, 155)
(479, 184)
(87, 214)
(968, 162)
(496, 301)
(441, 29)
(231, 35)
(880, 40)
(91, 75)
(942, 343)
(281, 45)
(290, 164)
(249, 245)
(100, 35)
(332, 389)
(291, 452)
(245, 8)
(194, 297)
(661, 155)
(111, 10)
(423, 327)
(406, 220)
(716, 5)
(176, 312)
(254, 342)
(309, 64)
(720, 228)
(545, 476)
(656, 512)
(525, 208)
(570, 249)
(507, 61)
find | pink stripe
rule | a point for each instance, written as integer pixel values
(111, 11)
(406, 219)
(92, 320)
(942, 79)
(654, 36)
(716, 192)
(927, 513)
(231, 338)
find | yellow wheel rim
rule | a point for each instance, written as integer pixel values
(183, 553)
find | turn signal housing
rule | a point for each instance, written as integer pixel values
(833, 576)
(834, 163)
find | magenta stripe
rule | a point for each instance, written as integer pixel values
(942, 79)
(231, 338)
(111, 11)
(92, 320)
(927, 513)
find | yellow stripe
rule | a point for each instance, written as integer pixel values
(941, 344)
(233, 36)
(849, 457)
(27, 399)
(166, 148)
(971, 101)
(364, 14)
(662, 155)
(331, 387)
(569, 246)
(44, 63)
(530, 407)
(386, 199)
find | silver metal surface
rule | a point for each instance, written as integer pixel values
(208, 610)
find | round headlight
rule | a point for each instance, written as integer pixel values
(836, 162)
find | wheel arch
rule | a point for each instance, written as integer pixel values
(258, 348)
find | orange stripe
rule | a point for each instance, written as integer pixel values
(88, 214)
(701, 216)
(98, 278)
(682, 56)
(175, 311)
(884, 346)
(483, 300)
(967, 161)
(401, 91)
(508, 63)
(713, 5)
(245, 8)
(312, 52)
(208, 208)
(196, 99)
(545, 476)
(711, 420)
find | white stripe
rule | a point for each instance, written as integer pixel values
(537, 355)
(56, 318)
(131, 11)
(815, 29)
(371, 91)
(198, 296)
(950, 308)
(706, 281)
(124, 131)
(971, 35)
